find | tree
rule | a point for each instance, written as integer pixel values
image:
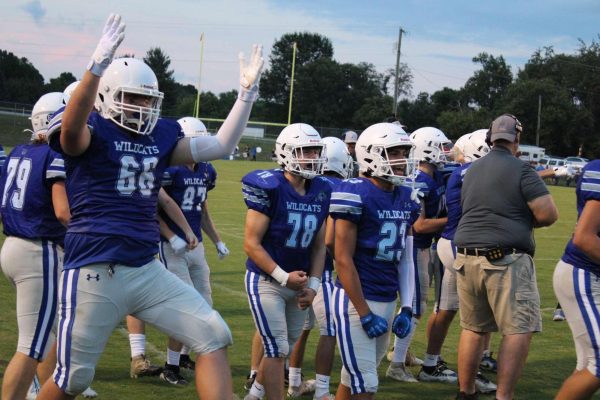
(59, 83)
(418, 113)
(488, 85)
(20, 81)
(159, 62)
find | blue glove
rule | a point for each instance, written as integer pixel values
(374, 325)
(402, 322)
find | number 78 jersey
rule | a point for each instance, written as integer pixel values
(383, 220)
(294, 219)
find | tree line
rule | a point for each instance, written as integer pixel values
(328, 93)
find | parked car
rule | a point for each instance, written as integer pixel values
(576, 163)
(551, 162)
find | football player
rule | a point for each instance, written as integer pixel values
(431, 149)
(35, 213)
(373, 244)
(114, 160)
(188, 186)
(285, 242)
(577, 287)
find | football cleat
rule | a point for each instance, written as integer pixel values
(89, 393)
(140, 366)
(305, 387)
(398, 372)
(483, 384)
(488, 363)
(250, 378)
(559, 315)
(439, 373)
(170, 374)
(186, 362)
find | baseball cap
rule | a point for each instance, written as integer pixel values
(505, 127)
(350, 137)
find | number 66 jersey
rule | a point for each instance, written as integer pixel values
(295, 219)
(113, 189)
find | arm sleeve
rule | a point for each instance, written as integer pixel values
(406, 274)
(205, 148)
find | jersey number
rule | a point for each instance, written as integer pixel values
(308, 226)
(190, 194)
(390, 233)
(135, 176)
(17, 172)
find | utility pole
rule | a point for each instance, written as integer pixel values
(396, 84)
(295, 46)
(537, 131)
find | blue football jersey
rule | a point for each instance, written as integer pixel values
(2, 158)
(383, 219)
(113, 189)
(189, 188)
(588, 188)
(333, 182)
(26, 185)
(433, 189)
(294, 219)
(453, 188)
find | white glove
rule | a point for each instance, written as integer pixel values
(250, 74)
(177, 244)
(559, 172)
(112, 36)
(222, 250)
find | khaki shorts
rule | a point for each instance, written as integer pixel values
(502, 295)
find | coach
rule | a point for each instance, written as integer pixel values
(502, 200)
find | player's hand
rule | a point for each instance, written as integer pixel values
(374, 325)
(177, 244)
(297, 280)
(305, 298)
(559, 172)
(222, 250)
(192, 240)
(402, 322)
(112, 36)
(250, 74)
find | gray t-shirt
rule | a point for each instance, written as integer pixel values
(494, 199)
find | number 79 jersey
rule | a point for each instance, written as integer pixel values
(294, 219)
(383, 220)
(113, 190)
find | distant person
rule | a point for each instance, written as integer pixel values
(253, 153)
(350, 138)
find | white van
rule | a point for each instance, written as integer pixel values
(532, 154)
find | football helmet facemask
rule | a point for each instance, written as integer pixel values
(431, 145)
(125, 78)
(339, 159)
(291, 147)
(372, 153)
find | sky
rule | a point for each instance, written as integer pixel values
(440, 39)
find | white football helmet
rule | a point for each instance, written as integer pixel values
(289, 150)
(372, 150)
(476, 147)
(431, 145)
(459, 146)
(339, 159)
(129, 76)
(192, 127)
(69, 91)
(42, 111)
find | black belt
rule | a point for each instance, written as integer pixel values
(494, 252)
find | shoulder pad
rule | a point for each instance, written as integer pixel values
(264, 179)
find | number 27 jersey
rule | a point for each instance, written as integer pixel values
(294, 219)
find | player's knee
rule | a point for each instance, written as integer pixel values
(79, 380)
(217, 335)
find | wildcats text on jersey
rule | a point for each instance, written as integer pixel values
(394, 214)
(291, 205)
(137, 148)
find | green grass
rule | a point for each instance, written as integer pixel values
(551, 359)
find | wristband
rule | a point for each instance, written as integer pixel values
(314, 283)
(280, 275)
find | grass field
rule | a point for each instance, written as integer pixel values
(551, 358)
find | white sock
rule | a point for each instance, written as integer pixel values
(137, 343)
(185, 351)
(401, 345)
(322, 385)
(257, 390)
(295, 377)
(253, 372)
(173, 357)
(430, 360)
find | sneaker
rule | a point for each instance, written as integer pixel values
(327, 396)
(398, 372)
(186, 362)
(412, 361)
(439, 373)
(140, 366)
(488, 363)
(170, 374)
(250, 378)
(34, 389)
(305, 387)
(483, 384)
(89, 393)
(559, 315)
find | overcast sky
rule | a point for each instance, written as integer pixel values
(441, 36)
